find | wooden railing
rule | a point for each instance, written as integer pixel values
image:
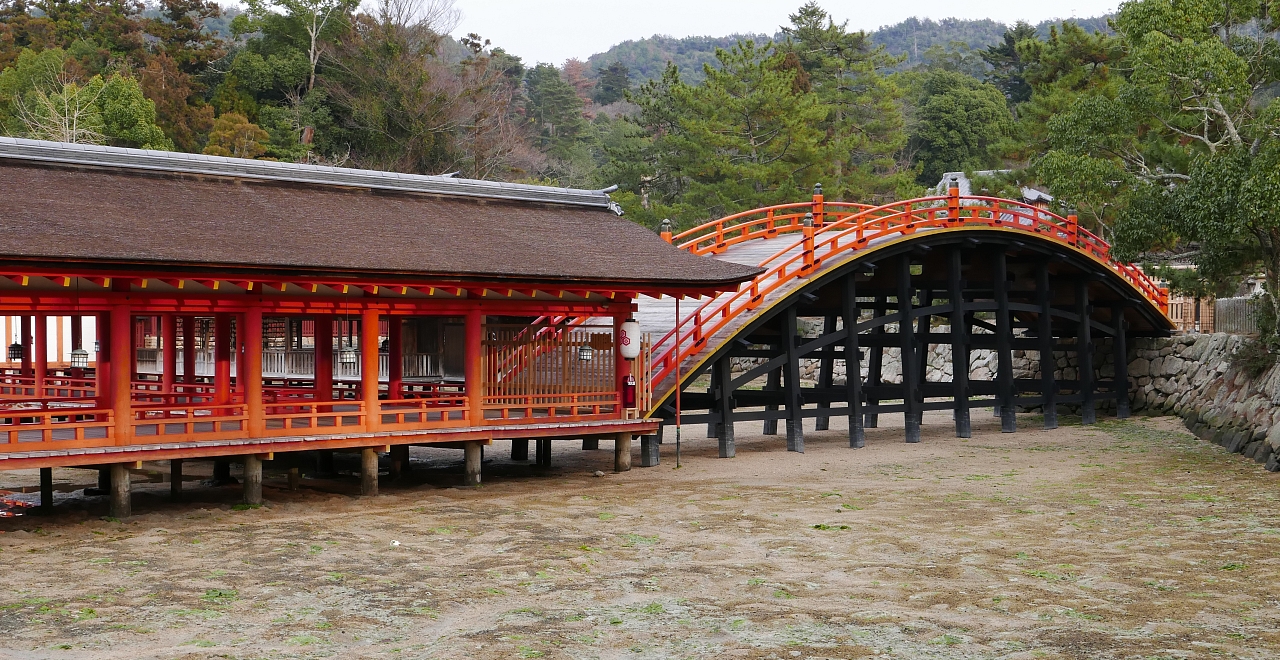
(769, 222)
(51, 426)
(553, 407)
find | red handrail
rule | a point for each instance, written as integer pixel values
(854, 231)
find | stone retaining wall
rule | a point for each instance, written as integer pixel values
(1191, 376)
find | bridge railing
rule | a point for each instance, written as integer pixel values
(858, 230)
(716, 236)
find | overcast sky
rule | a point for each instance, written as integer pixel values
(556, 30)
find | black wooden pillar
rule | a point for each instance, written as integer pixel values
(1084, 353)
(1120, 350)
(724, 405)
(773, 383)
(875, 363)
(713, 427)
(1048, 384)
(925, 298)
(795, 423)
(46, 490)
(910, 371)
(852, 361)
(1004, 346)
(959, 344)
(826, 371)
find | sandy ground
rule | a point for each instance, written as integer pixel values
(1123, 540)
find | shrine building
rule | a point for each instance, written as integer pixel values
(166, 307)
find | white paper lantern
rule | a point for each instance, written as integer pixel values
(629, 340)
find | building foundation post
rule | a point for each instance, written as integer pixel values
(121, 506)
(622, 453)
(369, 472)
(252, 479)
(473, 457)
(46, 490)
(649, 454)
(175, 479)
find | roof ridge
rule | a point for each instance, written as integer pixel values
(173, 161)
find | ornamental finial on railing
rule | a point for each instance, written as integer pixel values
(666, 230)
(817, 188)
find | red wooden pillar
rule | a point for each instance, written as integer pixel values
(58, 348)
(189, 349)
(222, 358)
(395, 358)
(24, 326)
(40, 354)
(102, 370)
(237, 346)
(474, 364)
(324, 358)
(622, 366)
(369, 368)
(121, 386)
(168, 349)
(251, 371)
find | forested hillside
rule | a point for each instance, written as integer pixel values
(1161, 135)
(910, 39)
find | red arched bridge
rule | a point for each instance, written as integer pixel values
(989, 281)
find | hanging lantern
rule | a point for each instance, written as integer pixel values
(15, 352)
(585, 352)
(348, 354)
(79, 359)
(629, 340)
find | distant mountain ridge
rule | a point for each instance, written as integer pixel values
(648, 57)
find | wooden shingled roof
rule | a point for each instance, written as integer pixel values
(64, 203)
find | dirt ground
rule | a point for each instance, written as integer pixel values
(1129, 539)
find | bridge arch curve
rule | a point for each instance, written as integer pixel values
(1021, 292)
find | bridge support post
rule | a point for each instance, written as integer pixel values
(826, 372)
(1120, 350)
(1004, 346)
(907, 337)
(520, 450)
(1084, 353)
(875, 364)
(713, 386)
(925, 298)
(542, 452)
(959, 344)
(1048, 384)
(724, 405)
(773, 383)
(852, 361)
(795, 423)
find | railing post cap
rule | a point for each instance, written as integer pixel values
(817, 188)
(808, 219)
